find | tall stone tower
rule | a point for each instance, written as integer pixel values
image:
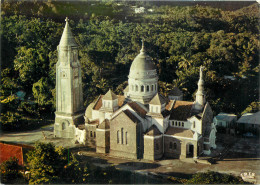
(69, 96)
(200, 95)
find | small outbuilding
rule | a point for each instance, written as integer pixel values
(249, 122)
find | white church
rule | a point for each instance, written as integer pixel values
(142, 123)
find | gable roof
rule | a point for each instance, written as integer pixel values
(98, 103)
(175, 92)
(158, 99)
(181, 132)
(225, 117)
(123, 115)
(126, 89)
(137, 108)
(170, 105)
(110, 95)
(250, 118)
(153, 131)
(105, 124)
(131, 116)
(181, 110)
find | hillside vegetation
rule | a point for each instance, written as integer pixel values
(179, 39)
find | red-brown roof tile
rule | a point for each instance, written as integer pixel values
(181, 132)
(7, 151)
(181, 110)
(137, 108)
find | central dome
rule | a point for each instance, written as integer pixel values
(142, 62)
(142, 65)
(142, 79)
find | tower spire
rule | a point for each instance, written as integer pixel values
(200, 95)
(67, 38)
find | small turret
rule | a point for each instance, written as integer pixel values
(200, 95)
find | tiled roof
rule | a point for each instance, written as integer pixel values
(126, 89)
(105, 124)
(170, 104)
(131, 116)
(121, 100)
(158, 99)
(7, 151)
(175, 92)
(181, 110)
(88, 112)
(110, 95)
(137, 108)
(153, 131)
(98, 103)
(181, 132)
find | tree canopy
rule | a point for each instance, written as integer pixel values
(178, 38)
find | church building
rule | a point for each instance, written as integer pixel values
(142, 123)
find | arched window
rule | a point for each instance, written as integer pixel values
(63, 126)
(147, 88)
(179, 124)
(91, 135)
(126, 138)
(136, 87)
(142, 88)
(94, 134)
(117, 136)
(170, 145)
(182, 124)
(194, 124)
(152, 87)
(176, 123)
(122, 135)
(174, 146)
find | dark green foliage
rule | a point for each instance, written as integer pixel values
(211, 177)
(48, 164)
(179, 39)
(10, 172)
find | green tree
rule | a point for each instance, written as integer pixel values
(48, 164)
(211, 177)
(10, 172)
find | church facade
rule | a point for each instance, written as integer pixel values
(142, 123)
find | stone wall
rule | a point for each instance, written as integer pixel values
(103, 141)
(124, 137)
(91, 135)
(172, 150)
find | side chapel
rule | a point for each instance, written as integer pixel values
(142, 123)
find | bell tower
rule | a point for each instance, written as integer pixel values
(69, 96)
(200, 95)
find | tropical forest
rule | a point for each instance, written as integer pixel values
(179, 38)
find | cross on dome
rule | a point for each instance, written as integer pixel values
(143, 48)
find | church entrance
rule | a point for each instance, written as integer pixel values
(189, 150)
